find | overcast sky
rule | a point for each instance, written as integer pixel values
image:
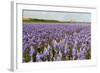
(62, 16)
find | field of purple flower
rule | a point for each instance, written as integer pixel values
(56, 42)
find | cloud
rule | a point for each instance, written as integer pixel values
(61, 16)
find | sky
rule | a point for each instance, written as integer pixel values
(61, 16)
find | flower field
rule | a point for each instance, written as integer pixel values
(56, 42)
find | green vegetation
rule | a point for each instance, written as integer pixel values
(30, 20)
